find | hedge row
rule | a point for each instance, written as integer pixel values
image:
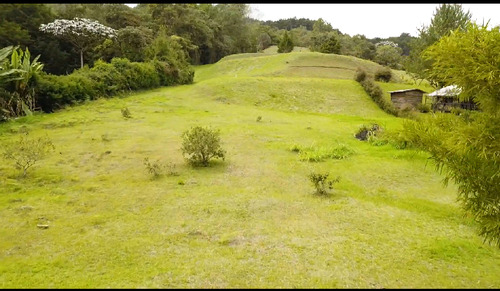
(106, 80)
(375, 92)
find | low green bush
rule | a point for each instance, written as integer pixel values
(319, 154)
(366, 131)
(360, 75)
(200, 145)
(321, 182)
(106, 80)
(377, 95)
(384, 74)
(26, 152)
(126, 113)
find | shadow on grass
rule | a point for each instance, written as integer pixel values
(214, 166)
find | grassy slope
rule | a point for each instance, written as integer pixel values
(251, 221)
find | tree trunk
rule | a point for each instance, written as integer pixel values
(81, 58)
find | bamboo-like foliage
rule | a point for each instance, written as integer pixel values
(17, 93)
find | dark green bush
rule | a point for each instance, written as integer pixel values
(384, 74)
(106, 80)
(377, 95)
(360, 75)
(365, 131)
(53, 92)
(137, 75)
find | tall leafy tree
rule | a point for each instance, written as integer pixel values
(388, 55)
(324, 37)
(466, 147)
(286, 44)
(446, 18)
(301, 36)
(82, 33)
(331, 45)
(185, 20)
(19, 25)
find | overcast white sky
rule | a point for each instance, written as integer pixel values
(372, 20)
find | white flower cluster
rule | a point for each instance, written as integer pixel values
(78, 26)
(386, 42)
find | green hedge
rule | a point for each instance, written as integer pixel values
(106, 80)
(375, 92)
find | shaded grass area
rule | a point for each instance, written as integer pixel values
(251, 221)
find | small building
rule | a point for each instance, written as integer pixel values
(408, 98)
(446, 98)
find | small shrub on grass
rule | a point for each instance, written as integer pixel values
(153, 168)
(157, 168)
(384, 74)
(319, 154)
(126, 113)
(26, 152)
(171, 169)
(367, 131)
(321, 182)
(200, 145)
(259, 118)
(295, 148)
(360, 75)
(341, 152)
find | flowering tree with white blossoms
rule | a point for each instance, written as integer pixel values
(81, 32)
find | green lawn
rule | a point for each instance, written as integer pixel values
(249, 221)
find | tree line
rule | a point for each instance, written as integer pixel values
(205, 33)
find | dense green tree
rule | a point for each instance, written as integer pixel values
(321, 26)
(331, 45)
(264, 41)
(358, 46)
(403, 41)
(466, 147)
(83, 33)
(171, 49)
(286, 44)
(19, 26)
(388, 55)
(301, 36)
(186, 21)
(323, 35)
(291, 23)
(133, 42)
(446, 18)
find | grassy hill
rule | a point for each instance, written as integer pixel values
(251, 221)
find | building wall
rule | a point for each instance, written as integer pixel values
(406, 99)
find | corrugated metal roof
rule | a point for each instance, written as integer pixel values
(449, 91)
(406, 90)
